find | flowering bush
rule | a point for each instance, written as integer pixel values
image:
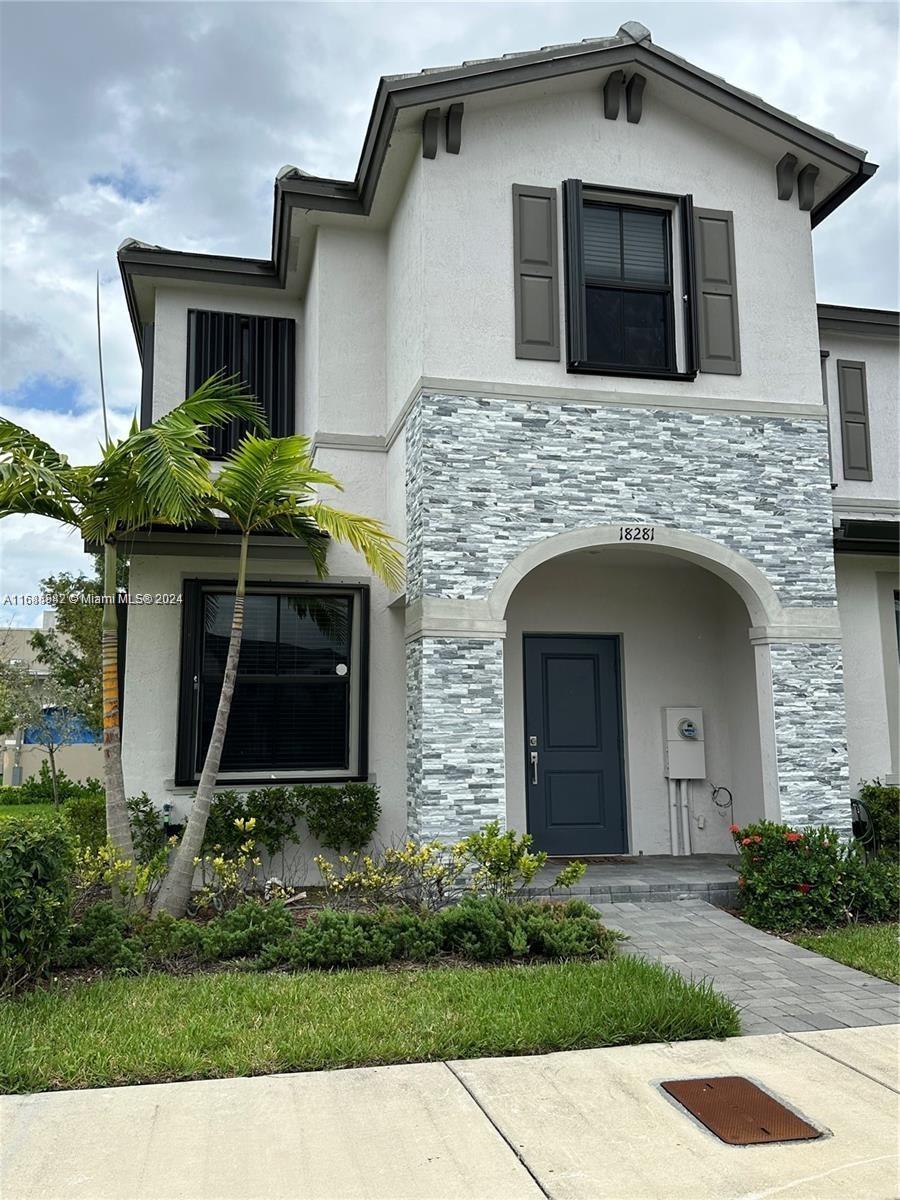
(430, 875)
(100, 871)
(796, 879)
(225, 879)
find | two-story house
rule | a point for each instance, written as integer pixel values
(560, 333)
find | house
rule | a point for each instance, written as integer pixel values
(560, 333)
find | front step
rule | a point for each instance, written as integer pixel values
(720, 894)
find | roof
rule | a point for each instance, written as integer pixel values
(631, 46)
(876, 322)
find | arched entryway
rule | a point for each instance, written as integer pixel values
(602, 636)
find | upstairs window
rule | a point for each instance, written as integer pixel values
(627, 268)
(650, 285)
(260, 351)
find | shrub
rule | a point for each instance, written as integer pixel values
(39, 789)
(504, 863)
(102, 939)
(226, 877)
(86, 819)
(147, 828)
(35, 865)
(332, 939)
(803, 879)
(341, 818)
(873, 887)
(424, 876)
(242, 933)
(883, 802)
(477, 929)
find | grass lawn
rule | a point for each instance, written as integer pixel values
(162, 1027)
(27, 812)
(871, 948)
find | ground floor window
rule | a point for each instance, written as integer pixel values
(298, 707)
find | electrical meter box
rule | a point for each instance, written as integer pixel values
(684, 745)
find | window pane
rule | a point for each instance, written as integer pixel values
(646, 257)
(602, 242)
(287, 724)
(258, 643)
(645, 329)
(315, 635)
(605, 340)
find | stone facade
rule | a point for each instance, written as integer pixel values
(455, 736)
(810, 737)
(488, 477)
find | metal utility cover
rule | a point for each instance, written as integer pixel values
(738, 1112)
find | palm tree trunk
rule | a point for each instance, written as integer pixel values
(118, 827)
(176, 889)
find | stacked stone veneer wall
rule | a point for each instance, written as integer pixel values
(487, 477)
(455, 750)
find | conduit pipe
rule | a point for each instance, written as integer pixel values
(673, 818)
(685, 800)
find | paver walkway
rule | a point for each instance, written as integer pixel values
(778, 986)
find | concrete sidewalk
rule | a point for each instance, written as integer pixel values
(585, 1125)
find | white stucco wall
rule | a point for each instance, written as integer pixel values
(865, 586)
(683, 642)
(467, 233)
(881, 358)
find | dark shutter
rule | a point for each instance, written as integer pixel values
(146, 376)
(854, 410)
(717, 316)
(259, 350)
(536, 272)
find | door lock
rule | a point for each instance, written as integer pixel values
(534, 765)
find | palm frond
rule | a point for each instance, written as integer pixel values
(261, 475)
(16, 441)
(366, 536)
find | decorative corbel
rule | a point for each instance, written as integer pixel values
(634, 98)
(453, 128)
(785, 172)
(430, 125)
(806, 187)
(612, 94)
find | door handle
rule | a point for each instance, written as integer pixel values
(534, 765)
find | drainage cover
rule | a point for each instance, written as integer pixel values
(739, 1112)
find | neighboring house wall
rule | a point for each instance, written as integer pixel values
(867, 585)
(881, 373)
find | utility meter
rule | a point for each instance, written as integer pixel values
(684, 743)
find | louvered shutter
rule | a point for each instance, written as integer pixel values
(536, 272)
(717, 300)
(260, 351)
(854, 412)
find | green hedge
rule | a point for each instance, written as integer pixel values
(35, 872)
(267, 936)
(39, 789)
(340, 817)
(883, 802)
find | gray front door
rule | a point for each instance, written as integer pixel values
(573, 745)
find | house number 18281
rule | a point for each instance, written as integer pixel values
(636, 533)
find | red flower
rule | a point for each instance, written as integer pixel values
(756, 839)
(734, 829)
(793, 837)
(804, 887)
(746, 841)
(741, 881)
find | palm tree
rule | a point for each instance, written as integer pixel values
(268, 484)
(157, 475)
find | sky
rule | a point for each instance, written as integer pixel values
(169, 121)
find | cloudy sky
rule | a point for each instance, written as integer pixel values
(168, 122)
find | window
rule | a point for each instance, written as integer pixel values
(628, 281)
(259, 350)
(298, 702)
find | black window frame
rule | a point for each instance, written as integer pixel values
(576, 195)
(186, 751)
(239, 331)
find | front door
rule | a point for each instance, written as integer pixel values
(573, 745)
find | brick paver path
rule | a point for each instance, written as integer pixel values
(777, 985)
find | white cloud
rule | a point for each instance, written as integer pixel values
(202, 103)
